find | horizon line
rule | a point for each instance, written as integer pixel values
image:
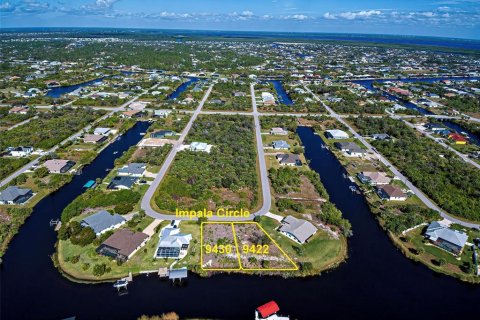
(2, 29)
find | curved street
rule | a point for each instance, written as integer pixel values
(266, 196)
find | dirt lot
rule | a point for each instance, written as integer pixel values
(218, 234)
(257, 250)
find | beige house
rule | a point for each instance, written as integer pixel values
(58, 165)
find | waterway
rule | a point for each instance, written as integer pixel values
(181, 88)
(283, 96)
(376, 282)
(474, 138)
(57, 92)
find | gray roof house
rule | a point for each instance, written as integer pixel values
(448, 239)
(292, 160)
(380, 136)
(133, 169)
(122, 182)
(15, 195)
(103, 221)
(350, 148)
(280, 144)
(298, 230)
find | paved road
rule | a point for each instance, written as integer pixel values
(22, 123)
(267, 196)
(404, 179)
(443, 144)
(35, 161)
(148, 196)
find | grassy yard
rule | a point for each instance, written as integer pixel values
(142, 260)
(419, 249)
(321, 251)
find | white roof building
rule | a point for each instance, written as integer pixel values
(200, 146)
(336, 134)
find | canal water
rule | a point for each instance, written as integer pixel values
(181, 88)
(283, 96)
(57, 92)
(474, 138)
(376, 282)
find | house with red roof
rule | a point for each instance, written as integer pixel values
(457, 138)
(268, 311)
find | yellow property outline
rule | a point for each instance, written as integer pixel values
(241, 268)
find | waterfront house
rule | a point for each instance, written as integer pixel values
(21, 151)
(350, 149)
(172, 243)
(123, 244)
(268, 98)
(161, 113)
(373, 178)
(280, 145)
(434, 127)
(162, 134)
(391, 193)
(298, 230)
(336, 134)
(448, 239)
(278, 132)
(133, 169)
(58, 165)
(291, 160)
(457, 138)
(400, 92)
(94, 138)
(200, 146)
(122, 183)
(132, 114)
(102, 131)
(15, 195)
(268, 311)
(103, 221)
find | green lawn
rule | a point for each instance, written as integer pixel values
(142, 260)
(322, 251)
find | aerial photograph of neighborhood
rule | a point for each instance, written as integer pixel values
(244, 160)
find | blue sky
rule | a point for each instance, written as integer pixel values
(448, 18)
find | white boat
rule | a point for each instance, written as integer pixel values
(122, 283)
(115, 152)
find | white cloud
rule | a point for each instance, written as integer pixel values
(6, 7)
(330, 16)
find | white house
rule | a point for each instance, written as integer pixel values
(200, 146)
(21, 151)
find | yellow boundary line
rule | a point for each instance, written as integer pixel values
(240, 268)
(201, 249)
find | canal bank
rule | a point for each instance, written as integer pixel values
(181, 88)
(377, 282)
(283, 97)
(474, 138)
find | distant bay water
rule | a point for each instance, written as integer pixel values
(468, 44)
